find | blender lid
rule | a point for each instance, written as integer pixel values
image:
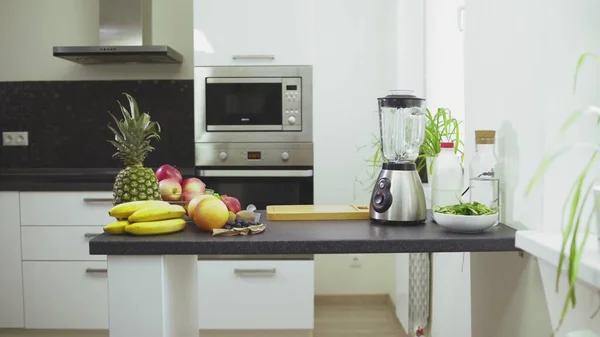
(400, 99)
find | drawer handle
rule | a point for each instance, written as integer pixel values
(240, 271)
(253, 57)
(96, 270)
(97, 200)
(91, 235)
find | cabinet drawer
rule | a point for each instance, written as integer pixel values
(65, 208)
(256, 294)
(65, 295)
(69, 243)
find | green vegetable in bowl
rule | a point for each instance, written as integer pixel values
(474, 208)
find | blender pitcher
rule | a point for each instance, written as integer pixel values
(398, 194)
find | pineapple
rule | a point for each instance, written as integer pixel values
(132, 140)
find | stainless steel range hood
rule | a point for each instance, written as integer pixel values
(125, 36)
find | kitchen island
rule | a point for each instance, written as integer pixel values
(152, 281)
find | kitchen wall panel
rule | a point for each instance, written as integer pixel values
(67, 121)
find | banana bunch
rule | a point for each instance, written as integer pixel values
(150, 217)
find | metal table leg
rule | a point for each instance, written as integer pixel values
(419, 268)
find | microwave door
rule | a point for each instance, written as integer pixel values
(244, 104)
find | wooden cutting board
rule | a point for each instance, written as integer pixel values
(317, 212)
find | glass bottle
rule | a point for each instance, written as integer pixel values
(484, 185)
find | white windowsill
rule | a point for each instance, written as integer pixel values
(546, 246)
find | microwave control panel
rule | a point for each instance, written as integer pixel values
(292, 104)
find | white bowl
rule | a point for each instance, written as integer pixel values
(465, 223)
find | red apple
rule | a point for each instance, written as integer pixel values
(233, 205)
(188, 196)
(193, 185)
(168, 172)
(169, 189)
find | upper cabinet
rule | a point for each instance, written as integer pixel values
(257, 32)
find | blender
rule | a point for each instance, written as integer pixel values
(398, 194)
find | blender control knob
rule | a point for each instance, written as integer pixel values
(292, 120)
(285, 156)
(222, 155)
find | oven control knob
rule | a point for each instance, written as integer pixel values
(222, 155)
(285, 156)
(292, 120)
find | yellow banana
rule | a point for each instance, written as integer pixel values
(124, 210)
(159, 213)
(116, 227)
(156, 227)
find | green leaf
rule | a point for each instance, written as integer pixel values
(570, 233)
(546, 162)
(133, 107)
(570, 121)
(580, 64)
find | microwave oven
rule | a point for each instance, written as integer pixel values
(253, 104)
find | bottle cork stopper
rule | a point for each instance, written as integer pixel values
(485, 136)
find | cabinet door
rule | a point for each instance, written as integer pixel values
(65, 208)
(11, 282)
(241, 32)
(65, 295)
(259, 294)
(64, 243)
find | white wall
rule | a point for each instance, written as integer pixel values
(354, 53)
(30, 28)
(520, 61)
(444, 87)
(335, 275)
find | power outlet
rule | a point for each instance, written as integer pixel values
(18, 138)
(356, 261)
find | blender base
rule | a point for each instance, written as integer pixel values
(398, 197)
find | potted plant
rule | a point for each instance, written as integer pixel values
(578, 221)
(441, 127)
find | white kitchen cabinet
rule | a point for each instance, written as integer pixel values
(247, 295)
(65, 295)
(11, 282)
(257, 32)
(64, 243)
(65, 208)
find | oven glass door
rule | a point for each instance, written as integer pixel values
(244, 104)
(261, 190)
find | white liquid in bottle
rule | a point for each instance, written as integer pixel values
(447, 178)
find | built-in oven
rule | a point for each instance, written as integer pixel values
(253, 103)
(258, 173)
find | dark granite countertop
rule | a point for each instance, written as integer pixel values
(311, 237)
(62, 179)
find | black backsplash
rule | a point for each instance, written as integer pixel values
(67, 121)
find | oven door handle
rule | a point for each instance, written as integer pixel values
(255, 173)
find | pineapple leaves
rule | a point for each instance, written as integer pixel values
(133, 133)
